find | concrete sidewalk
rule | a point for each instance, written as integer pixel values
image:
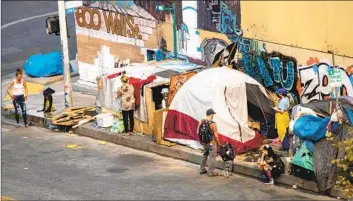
(35, 101)
(144, 142)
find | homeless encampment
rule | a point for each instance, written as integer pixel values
(148, 80)
(312, 130)
(228, 92)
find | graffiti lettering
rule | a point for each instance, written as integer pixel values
(116, 23)
(258, 64)
(225, 20)
(211, 4)
(81, 14)
(228, 20)
(314, 80)
(277, 67)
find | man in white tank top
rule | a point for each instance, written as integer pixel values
(19, 96)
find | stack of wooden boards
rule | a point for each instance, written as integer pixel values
(74, 116)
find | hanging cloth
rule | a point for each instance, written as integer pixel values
(137, 84)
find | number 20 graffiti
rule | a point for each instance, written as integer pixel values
(315, 82)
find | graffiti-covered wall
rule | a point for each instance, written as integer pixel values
(209, 27)
(209, 30)
(304, 73)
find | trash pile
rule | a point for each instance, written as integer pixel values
(109, 122)
(313, 126)
(74, 116)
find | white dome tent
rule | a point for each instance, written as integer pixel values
(227, 92)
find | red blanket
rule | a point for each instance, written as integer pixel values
(137, 84)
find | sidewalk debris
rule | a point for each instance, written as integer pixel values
(73, 116)
(73, 146)
(68, 134)
(101, 142)
(83, 121)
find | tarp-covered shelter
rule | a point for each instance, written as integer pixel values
(228, 92)
(326, 173)
(148, 80)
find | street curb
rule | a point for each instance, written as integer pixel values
(48, 80)
(148, 145)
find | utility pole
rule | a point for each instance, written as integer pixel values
(65, 53)
(173, 11)
(337, 89)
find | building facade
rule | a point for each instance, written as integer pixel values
(281, 44)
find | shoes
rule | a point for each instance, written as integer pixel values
(18, 125)
(271, 182)
(226, 173)
(203, 172)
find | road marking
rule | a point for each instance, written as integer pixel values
(26, 19)
(4, 198)
(10, 50)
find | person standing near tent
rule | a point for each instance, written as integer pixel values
(19, 96)
(126, 93)
(207, 130)
(282, 118)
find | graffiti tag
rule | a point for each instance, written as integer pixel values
(314, 81)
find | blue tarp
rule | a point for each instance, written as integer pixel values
(349, 114)
(44, 65)
(310, 145)
(311, 128)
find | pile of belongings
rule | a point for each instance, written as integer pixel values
(311, 125)
(74, 116)
(252, 156)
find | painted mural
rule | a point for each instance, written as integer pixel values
(113, 24)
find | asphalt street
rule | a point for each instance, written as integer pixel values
(37, 165)
(21, 40)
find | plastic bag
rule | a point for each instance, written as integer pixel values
(118, 126)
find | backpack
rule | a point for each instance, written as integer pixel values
(227, 152)
(205, 132)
